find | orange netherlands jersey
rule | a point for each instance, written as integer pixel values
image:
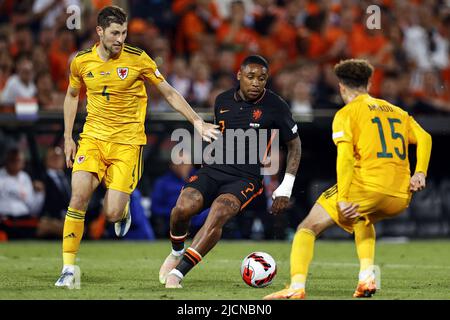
(116, 95)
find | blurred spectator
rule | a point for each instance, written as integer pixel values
(4, 43)
(225, 63)
(201, 85)
(139, 31)
(22, 43)
(62, 48)
(20, 84)
(6, 66)
(197, 18)
(156, 11)
(425, 43)
(390, 90)
(48, 98)
(265, 14)
(224, 7)
(234, 34)
(160, 52)
(431, 94)
(40, 60)
(179, 77)
(52, 13)
(164, 197)
(57, 195)
(46, 38)
(20, 198)
(301, 102)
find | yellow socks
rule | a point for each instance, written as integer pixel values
(301, 255)
(365, 246)
(72, 234)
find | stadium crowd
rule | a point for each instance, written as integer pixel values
(198, 46)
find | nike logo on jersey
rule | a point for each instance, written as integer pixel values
(223, 111)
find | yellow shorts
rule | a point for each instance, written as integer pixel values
(119, 166)
(373, 206)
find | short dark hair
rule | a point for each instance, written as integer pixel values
(255, 59)
(111, 14)
(354, 73)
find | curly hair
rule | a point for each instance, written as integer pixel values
(354, 73)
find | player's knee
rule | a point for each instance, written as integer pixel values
(113, 214)
(182, 211)
(78, 201)
(315, 227)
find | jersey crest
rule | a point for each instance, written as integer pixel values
(257, 113)
(122, 72)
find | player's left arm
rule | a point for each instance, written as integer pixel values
(282, 194)
(288, 132)
(418, 136)
(175, 99)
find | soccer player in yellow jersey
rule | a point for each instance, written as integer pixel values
(110, 146)
(373, 177)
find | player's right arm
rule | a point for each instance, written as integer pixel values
(70, 112)
(343, 138)
(418, 136)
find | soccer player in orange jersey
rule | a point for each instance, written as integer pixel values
(373, 177)
(110, 146)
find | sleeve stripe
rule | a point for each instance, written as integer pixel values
(127, 46)
(338, 134)
(132, 52)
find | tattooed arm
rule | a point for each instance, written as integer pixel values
(294, 154)
(282, 194)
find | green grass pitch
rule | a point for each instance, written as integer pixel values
(129, 270)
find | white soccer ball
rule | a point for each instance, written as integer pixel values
(258, 269)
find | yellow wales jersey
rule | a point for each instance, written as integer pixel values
(116, 95)
(380, 133)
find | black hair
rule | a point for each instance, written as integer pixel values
(255, 59)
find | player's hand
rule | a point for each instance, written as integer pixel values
(70, 150)
(279, 204)
(417, 182)
(348, 209)
(208, 131)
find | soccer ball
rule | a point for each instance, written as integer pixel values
(258, 269)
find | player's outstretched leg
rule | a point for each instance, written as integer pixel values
(223, 208)
(189, 203)
(302, 252)
(365, 247)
